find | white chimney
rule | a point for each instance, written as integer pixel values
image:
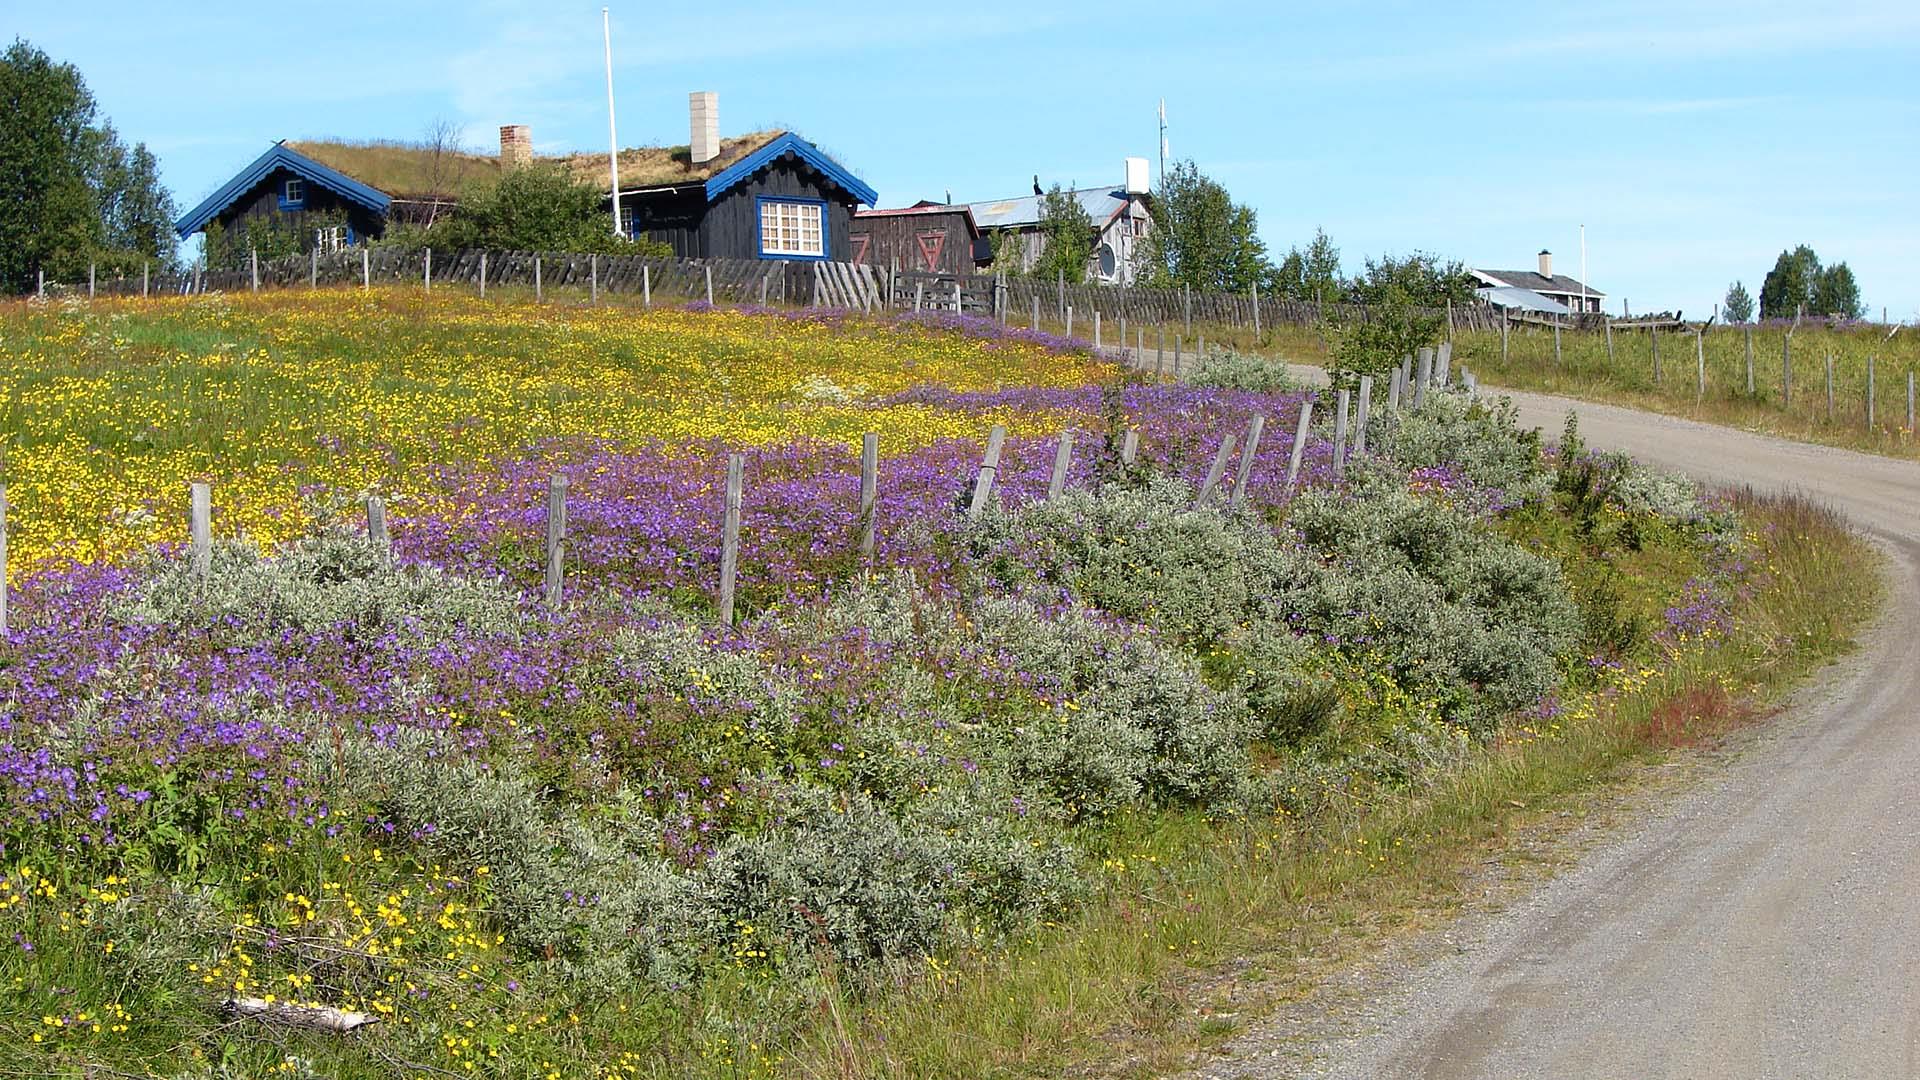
(703, 107)
(1546, 263)
(516, 145)
(1136, 169)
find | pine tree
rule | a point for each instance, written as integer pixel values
(1738, 306)
(1835, 292)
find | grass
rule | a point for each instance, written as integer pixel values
(1626, 376)
(1218, 920)
(1194, 911)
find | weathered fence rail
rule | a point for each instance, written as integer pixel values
(756, 281)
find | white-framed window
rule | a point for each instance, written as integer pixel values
(626, 220)
(331, 239)
(792, 229)
(295, 193)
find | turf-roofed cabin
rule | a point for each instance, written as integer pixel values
(767, 195)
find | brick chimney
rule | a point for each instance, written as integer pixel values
(703, 114)
(1546, 263)
(516, 145)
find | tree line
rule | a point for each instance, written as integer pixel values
(72, 194)
(1798, 284)
(1201, 238)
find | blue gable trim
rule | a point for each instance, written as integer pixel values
(788, 142)
(279, 157)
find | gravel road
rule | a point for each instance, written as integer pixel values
(1765, 924)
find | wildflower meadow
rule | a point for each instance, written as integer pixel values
(392, 790)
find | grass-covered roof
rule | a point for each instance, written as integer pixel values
(412, 170)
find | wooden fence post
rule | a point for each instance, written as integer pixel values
(1036, 311)
(919, 295)
(989, 465)
(1786, 370)
(1060, 295)
(1503, 337)
(1341, 400)
(1393, 388)
(91, 268)
(1123, 333)
(959, 301)
(366, 270)
(1424, 377)
(40, 284)
(143, 279)
(1443, 370)
(1255, 428)
(1749, 336)
(1699, 366)
(483, 275)
(1160, 353)
(1609, 325)
(709, 269)
(1872, 418)
(593, 278)
(426, 273)
(1256, 311)
(730, 536)
(1299, 444)
(539, 287)
(1362, 410)
(556, 538)
(1556, 342)
(1130, 446)
(253, 261)
(1216, 470)
(1069, 334)
(1062, 461)
(1140, 342)
(646, 286)
(767, 277)
(869, 492)
(377, 528)
(1829, 387)
(200, 529)
(1187, 307)
(1096, 329)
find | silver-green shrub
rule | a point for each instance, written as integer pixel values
(1230, 370)
(333, 577)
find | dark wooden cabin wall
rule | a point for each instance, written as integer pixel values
(732, 226)
(263, 200)
(897, 236)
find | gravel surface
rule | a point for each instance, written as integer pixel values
(1765, 923)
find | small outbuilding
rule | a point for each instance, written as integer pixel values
(1544, 291)
(928, 237)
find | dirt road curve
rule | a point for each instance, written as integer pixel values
(1767, 925)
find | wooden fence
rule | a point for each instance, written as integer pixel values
(1409, 388)
(757, 281)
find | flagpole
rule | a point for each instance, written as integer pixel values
(1583, 269)
(613, 140)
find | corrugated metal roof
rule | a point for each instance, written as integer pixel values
(1509, 296)
(1528, 279)
(1101, 204)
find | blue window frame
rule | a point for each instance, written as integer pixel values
(786, 227)
(293, 194)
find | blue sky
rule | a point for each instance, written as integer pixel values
(1694, 141)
